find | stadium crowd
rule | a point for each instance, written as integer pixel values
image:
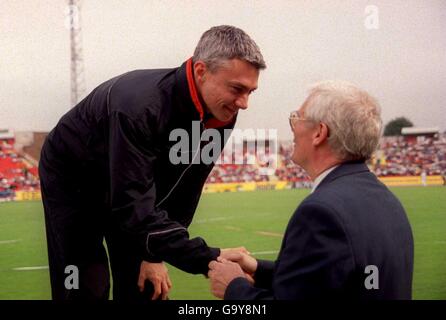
(396, 157)
(16, 173)
(400, 157)
(243, 166)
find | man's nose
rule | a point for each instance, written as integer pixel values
(242, 102)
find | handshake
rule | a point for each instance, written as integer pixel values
(231, 264)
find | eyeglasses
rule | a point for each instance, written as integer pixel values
(295, 116)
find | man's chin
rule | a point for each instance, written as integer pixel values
(295, 160)
(224, 117)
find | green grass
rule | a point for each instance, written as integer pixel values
(226, 220)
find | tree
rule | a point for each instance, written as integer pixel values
(393, 127)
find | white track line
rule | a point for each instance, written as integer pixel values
(30, 268)
(259, 253)
(232, 228)
(9, 241)
(269, 234)
(212, 219)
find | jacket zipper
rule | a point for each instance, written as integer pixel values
(182, 174)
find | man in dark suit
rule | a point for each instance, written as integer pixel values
(350, 238)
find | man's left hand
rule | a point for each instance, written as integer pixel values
(221, 274)
(157, 274)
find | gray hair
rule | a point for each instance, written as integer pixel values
(222, 43)
(353, 118)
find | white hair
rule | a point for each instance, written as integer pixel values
(353, 118)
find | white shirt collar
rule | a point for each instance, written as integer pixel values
(321, 177)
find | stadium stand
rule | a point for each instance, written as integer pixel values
(403, 157)
(18, 172)
(397, 157)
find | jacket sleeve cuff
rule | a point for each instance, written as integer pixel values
(264, 274)
(215, 252)
(151, 258)
(233, 289)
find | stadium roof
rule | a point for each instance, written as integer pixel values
(418, 131)
(6, 134)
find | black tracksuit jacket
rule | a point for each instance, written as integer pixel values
(116, 143)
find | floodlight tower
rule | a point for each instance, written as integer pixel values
(77, 62)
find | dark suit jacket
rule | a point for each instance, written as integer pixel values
(349, 222)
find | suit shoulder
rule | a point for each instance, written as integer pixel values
(321, 200)
(315, 207)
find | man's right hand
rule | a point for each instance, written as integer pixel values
(158, 275)
(229, 251)
(247, 262)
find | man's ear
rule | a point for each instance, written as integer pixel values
(321, 134)
(200, 71)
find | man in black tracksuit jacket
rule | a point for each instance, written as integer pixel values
(106, 170)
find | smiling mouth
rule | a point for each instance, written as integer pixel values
(231, 110)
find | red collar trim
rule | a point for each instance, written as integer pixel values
(215, 123)
(193, 89)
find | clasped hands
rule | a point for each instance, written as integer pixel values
(232, 263)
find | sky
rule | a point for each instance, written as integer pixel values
(395, 50)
